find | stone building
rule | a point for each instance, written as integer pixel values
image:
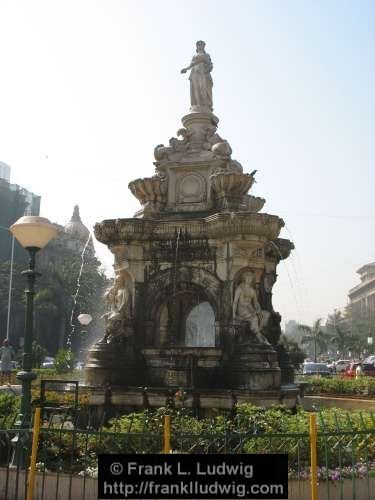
(362, 296)
(73, 237)
(15, 201)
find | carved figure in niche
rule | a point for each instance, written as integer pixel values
(200, 79)
(246, 307)
(118, 299)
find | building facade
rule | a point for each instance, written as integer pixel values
(15, 201)
(362, 296)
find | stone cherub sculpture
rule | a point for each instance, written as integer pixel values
(118, 299)
(246, 307)
(200, 79)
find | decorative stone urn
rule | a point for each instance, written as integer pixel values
(151, 192)
(229, 188)
(252, 203)
(191, 304)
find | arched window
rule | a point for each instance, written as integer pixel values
(200, 326)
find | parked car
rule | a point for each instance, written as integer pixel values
(370, 359)
(49, 362)
(331, 366)
(316, 369)
(341, 365)
(368, 369)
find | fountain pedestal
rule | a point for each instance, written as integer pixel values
(255, 368)
(112, 364)
(184, 366)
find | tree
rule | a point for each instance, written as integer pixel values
(64, 361)
(39, 353)
(296, 354)
(348, 332)
(340, 336)
(316, 336)
(55, 290)
(64, 293)
(357, 345)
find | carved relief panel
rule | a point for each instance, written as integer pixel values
(188, 188)
(191, 188)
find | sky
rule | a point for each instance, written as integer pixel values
(89, 88)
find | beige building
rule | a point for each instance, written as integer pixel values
(362, 296)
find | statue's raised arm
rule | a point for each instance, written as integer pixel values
(200, 80)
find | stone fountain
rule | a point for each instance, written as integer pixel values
(190, 318)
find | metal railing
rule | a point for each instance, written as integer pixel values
(68, 445)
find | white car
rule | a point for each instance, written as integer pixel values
(341, 365)
(49, 362)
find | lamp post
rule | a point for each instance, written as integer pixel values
(10, 282)
(33, 233)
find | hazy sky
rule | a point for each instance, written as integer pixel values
(88, 88)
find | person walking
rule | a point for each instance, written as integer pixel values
(358, 371)
(6, 354)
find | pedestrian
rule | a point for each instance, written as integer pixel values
(6, 354)
(358, 371)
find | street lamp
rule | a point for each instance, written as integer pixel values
(33, 233)
(85, 319)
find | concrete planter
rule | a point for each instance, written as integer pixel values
(309, 403)
(47, 485)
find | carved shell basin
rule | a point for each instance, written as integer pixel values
(231, 184)
(254, 203)
(149, 189)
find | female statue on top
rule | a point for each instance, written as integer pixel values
(200, 80)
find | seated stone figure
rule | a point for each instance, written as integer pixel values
(118, 299)
(246, 307)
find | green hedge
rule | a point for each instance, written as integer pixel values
(341, 386)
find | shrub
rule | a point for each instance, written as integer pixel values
(64, 361)
(341, 385)
(39, 353)
(252, 430)
(9, 408)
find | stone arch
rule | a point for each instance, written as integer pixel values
(183, 289)
(165, 282)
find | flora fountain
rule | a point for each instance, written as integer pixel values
(190, 318)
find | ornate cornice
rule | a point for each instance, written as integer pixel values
(218, 226)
